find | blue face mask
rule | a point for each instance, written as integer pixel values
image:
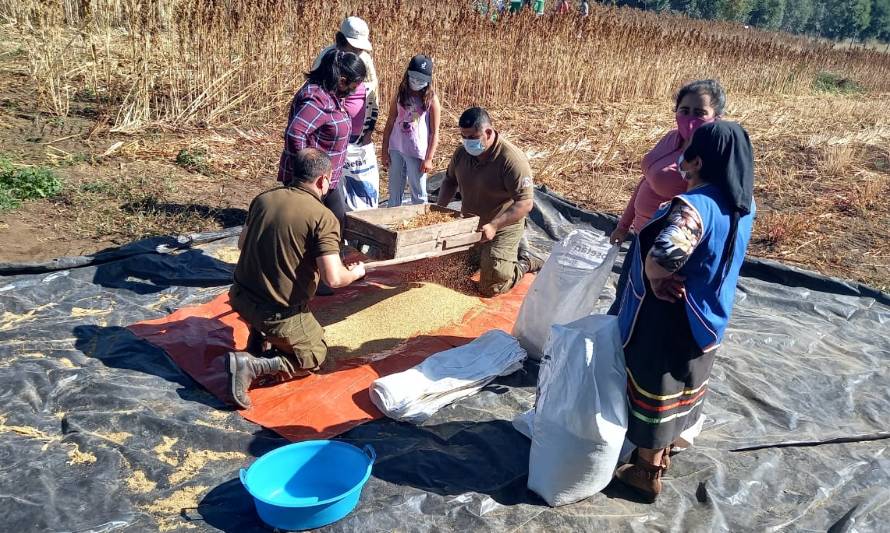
(474, 147)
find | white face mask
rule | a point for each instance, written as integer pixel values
(474, 147)
(684, 174)
(416, 85)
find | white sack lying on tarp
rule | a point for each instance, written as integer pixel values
(567, 287)
(580, 416)
(416, 394)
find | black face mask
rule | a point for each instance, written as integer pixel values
(325, 195)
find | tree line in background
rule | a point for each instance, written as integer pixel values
(834, 19)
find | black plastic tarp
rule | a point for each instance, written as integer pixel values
(102, 432)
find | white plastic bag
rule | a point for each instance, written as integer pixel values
(361, 177)
(417, 393)
(581, 411)
(566, 288)
(525, 422)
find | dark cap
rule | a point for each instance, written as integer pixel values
(421, 67)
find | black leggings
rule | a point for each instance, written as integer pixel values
(335, 200)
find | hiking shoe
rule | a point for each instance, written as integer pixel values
(642, 477)
(665, 457)
(529, 263)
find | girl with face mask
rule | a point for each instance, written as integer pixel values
(411, 134)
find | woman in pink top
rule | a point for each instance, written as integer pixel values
(697, 103)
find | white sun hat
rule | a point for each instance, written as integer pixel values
(357, 33)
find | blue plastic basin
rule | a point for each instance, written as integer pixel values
(308, 484)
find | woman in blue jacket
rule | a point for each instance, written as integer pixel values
(679, 296)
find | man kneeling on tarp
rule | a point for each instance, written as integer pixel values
(495, 183)
(290, 239)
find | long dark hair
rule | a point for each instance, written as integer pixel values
(426, 94)
(336, 64)
(711, 88)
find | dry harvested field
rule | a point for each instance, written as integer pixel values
(166, 116)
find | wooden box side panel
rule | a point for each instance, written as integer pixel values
(387, 216)
(437, 231)
(372, 227)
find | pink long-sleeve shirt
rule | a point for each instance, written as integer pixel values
(354, 105)
(661, 181)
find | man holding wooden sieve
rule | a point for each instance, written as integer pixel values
(495, 183)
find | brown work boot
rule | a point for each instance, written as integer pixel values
(244, 369)
(665, 457)
(645, 478)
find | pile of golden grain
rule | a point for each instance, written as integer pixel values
(452, 271)
(376, 321)
(424, 219)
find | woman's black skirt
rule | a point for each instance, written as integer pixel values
(667, 374)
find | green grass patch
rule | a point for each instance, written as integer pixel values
(194, 159)
(10, 104)
(8, 202)
(98, 187)
(21, 183)
(829, 82)
(14, 54)
(86, 94)
(74, 159)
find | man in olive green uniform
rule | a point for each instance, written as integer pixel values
(495, 183)
(289, 242)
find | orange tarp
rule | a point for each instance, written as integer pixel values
(321, 405)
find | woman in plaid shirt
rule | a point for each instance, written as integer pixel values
(318, 119)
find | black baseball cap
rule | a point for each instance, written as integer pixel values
(421, 67)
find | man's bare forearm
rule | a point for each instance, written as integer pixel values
(513, 214)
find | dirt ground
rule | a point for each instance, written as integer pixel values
(823, 165)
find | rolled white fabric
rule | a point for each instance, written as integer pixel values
(416, 394)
